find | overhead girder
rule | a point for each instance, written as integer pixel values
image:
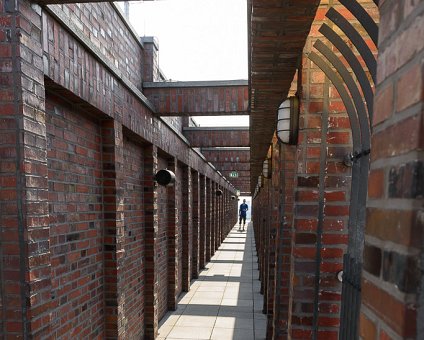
(217, 136)
(198, 98)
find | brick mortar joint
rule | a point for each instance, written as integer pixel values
(404, 26)
(389, 288)
(391, 246)
(398, 117)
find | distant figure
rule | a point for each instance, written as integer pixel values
(242, 213)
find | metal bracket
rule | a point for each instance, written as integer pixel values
(351, 158)
(11, 5)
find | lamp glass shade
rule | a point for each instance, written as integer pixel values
(287, 123)
(266, 168)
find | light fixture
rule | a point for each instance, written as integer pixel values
(165, 177)
(288, 121)
(219, 192)
(260, 182)
(266, 169)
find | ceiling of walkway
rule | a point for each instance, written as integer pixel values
(278, 32)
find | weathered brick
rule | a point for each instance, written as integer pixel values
(376, 184)
(384, 104)
(372, 260)
(409, 88)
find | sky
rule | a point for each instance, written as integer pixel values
(198, 40)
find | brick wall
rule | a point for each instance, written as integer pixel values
(195, 218)
(81, 232)
(284, 267)
(179, 207)
(133, 272)
(162, 244)
(202, 222)
(25, 255)
(392, 298)
(313, 230)
(75, 211)
(105, 30)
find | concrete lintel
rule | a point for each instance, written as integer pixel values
(203, 83)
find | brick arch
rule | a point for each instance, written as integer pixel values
(359, 158)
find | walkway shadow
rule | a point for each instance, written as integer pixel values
(224, 302)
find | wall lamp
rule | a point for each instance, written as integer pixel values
(165, 177)
(218, 192)
(260, 181)
(288, 121)
(266, 169)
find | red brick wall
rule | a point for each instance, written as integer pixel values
(323, 182)
(77, 68)
(195, 224)
(179, 200)
(162, 244)
(75, 210)
(315, 182)
(392, 299)
(284, 268)
(132, 263)
(101, 25)
(202, 221)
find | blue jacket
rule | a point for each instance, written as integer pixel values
(243, 209)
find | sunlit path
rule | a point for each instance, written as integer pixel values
(224, 303)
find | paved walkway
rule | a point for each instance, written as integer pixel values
(224, 303)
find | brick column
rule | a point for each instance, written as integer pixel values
(173, 240)
(219, 219)
(114, 236)
(151, 231)
(187, 228)
(151, 59)
(275, 221)
(209, 219)
(213, 218)
(196, 224)
(392, 280)
(203, 222)
(266, 242)
(225, 219)
(284, 267)
(25, 296)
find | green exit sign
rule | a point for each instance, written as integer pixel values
(234, 174)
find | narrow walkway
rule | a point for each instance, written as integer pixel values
(224, 303)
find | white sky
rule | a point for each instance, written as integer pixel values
(198, 40)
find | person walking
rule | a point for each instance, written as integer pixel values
(242, 213)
